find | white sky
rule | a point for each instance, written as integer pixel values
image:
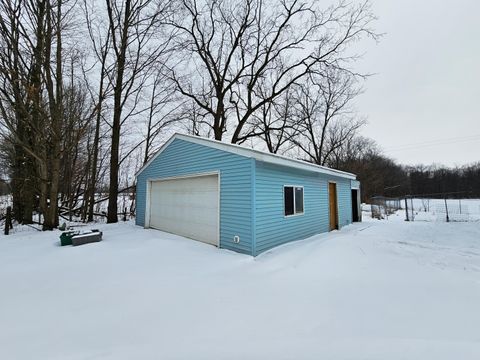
(423, 103)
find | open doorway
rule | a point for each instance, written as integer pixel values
(355, 206)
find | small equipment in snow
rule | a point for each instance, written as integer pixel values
(78, 237)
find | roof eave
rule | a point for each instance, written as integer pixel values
(250, 153)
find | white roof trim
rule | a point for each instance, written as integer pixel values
(251, 153)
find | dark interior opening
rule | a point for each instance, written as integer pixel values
(355, 216)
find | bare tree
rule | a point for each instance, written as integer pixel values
(325, 115)
(232, 50)
(353, 150)
(22, 39)
(76, 139)
(31, 101)
(100, 39)
(275, 123)
(162, 111)
(222, 68)
(43, 109)
(54, 88)
(137, 42)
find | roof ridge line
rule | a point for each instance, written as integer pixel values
(242, 151)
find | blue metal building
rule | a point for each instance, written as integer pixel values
(241, 199)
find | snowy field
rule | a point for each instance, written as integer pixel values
(375, 290)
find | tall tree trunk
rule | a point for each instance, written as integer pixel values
(150, 118)
(57, 122)
(114, 167)
(39, 143)
(56, 113)
(23, 187)
(94, 161)
(96, 138)
(117, 116)
(28, 191)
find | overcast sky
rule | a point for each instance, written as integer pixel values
(423, 103)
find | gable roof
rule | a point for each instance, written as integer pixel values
(250, 153)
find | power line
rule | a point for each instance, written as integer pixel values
(446, 141)
(434, 142)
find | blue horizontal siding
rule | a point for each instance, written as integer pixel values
(251, 196)
(185, 158)
(272, 228)
(344, 196)
(355, 184)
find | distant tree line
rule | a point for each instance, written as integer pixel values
(382, 176)
(459, 182)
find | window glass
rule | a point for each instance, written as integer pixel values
(298, 200)
(288, 199)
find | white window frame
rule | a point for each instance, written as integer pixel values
(294, 207)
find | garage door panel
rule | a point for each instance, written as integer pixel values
(183, 217)
(195, 230)
(187, 207)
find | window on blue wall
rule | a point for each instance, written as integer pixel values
(288, 199)
(293, 200)
(298, 200)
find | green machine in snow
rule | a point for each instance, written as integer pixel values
(76, 237)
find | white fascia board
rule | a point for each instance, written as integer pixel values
(252, 153)
(265, 156)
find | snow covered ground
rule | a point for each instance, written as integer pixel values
(374, 290)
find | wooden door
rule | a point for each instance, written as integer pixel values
(332, 191)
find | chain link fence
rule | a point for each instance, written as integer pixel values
(446, 209)
(382, 207)
(427, 208)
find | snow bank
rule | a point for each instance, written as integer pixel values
(375, 290)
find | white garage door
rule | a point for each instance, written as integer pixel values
(186, 207)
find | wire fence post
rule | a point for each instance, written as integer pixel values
(406, 209)
(446, 209)
(413, 209)
(8, 220)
